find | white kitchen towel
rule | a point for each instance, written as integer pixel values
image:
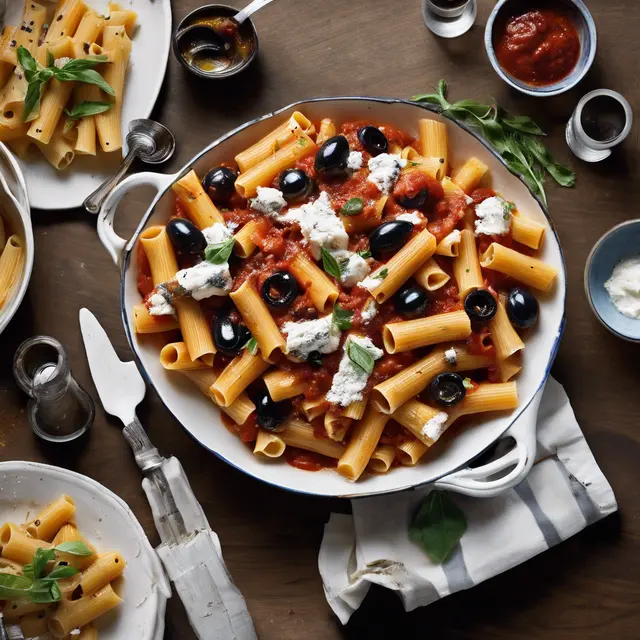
(564, 492)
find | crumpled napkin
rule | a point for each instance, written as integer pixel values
(564, 493)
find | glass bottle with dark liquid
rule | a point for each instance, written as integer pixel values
(449, 18)
(601, 121)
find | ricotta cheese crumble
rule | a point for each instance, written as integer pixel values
(217, 233)
(435, 427)
(385, 171)
(160, 305)
(311, 335)
(623, 287)
(451, 356)
(369, 311)
(350, 379)
(354, 161)
(353, 268)
(268, 201)
(494, 217)
(205, 280)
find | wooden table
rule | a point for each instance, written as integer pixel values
(588, 586)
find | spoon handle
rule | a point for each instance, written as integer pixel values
(251, 8)
(93, 203)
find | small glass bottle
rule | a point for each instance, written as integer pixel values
(59, 409)
(449, 18)
(601, 121)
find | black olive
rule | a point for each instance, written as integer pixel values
(295, 185)
(185, 236)
(447, 389)
(331, 159)
(228, 336)
(389, 237)
(410, 299)
(279, 289)
(219, 183)
(373, 140)
(270, 414)
(413, 201)
(480, 305)
(522, 308)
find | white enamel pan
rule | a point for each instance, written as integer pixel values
(447, 464)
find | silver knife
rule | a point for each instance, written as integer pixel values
(190, 553)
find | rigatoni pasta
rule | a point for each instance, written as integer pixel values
(352, 303)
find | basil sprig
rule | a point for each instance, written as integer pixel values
(84, 109)
(330, 264)
(341, 318)
(252, 346)
(515, 138)
(35, 583)
(382, 275)
(37, 76)
(360, 356)
(352, 207)
(438, 526)
(219, 253)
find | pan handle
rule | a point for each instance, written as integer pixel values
(478, 481)
(111, 241)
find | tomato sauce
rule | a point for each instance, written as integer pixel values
(538, 47)
(307, 460)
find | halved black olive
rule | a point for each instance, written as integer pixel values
(279, 289)
(295, 185)
(480, 305)
(389, 237)
(447, 389)
(415, 200)
(185, 236)
(219, 183)
(228, 336)
(522, 308)
(411, 298)
(331, 159)
(373, 140)
(270, 414)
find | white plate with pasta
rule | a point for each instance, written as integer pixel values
(64, 159)
(118, 589)
(332, 322)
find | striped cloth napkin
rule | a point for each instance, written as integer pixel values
(564, 492)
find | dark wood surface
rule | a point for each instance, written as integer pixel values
(589, 586)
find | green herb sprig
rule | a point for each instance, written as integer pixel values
(35, 583)
(352, 207)
(37, 76)
(219, 253)
(438, 526)
(515, 138)
(341, 318)
(330, 264)
(252, 346)
(360, 356)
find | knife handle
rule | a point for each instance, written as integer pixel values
(145, 453)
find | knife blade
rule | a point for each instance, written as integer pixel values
(119, 384)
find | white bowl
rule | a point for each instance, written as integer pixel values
(201, 419)
(14, 209)
(108, 523)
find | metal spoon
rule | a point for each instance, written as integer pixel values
(148, 140)
(250, 9)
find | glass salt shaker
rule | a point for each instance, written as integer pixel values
(601, 121)
(449, 18)
(59, 409)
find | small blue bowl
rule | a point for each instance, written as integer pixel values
(586, 28)
(619, 243)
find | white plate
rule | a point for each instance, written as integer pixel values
(109, 524)
(201, 419)
(51, 189)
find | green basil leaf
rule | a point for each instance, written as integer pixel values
(31, 109)
(87, 76)
(44, 591)
(561, 174)
(26, 60)
(80, 64)
(467, 384)
(341, 318)
(51, 61)
(382, 275)
(352, 207)
(477, 109)
(61, 572)
(14, 586)
(438, 526)
(88, 108)
(364, 254)
(219, 253)
(41, 558)
(360, 356)
(27, 571)
(523, 124)
(330, 264)
(74, 548)
(252, 346)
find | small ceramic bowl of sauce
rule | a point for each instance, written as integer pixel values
(210, 44)
(612, 280)
(541, 47)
